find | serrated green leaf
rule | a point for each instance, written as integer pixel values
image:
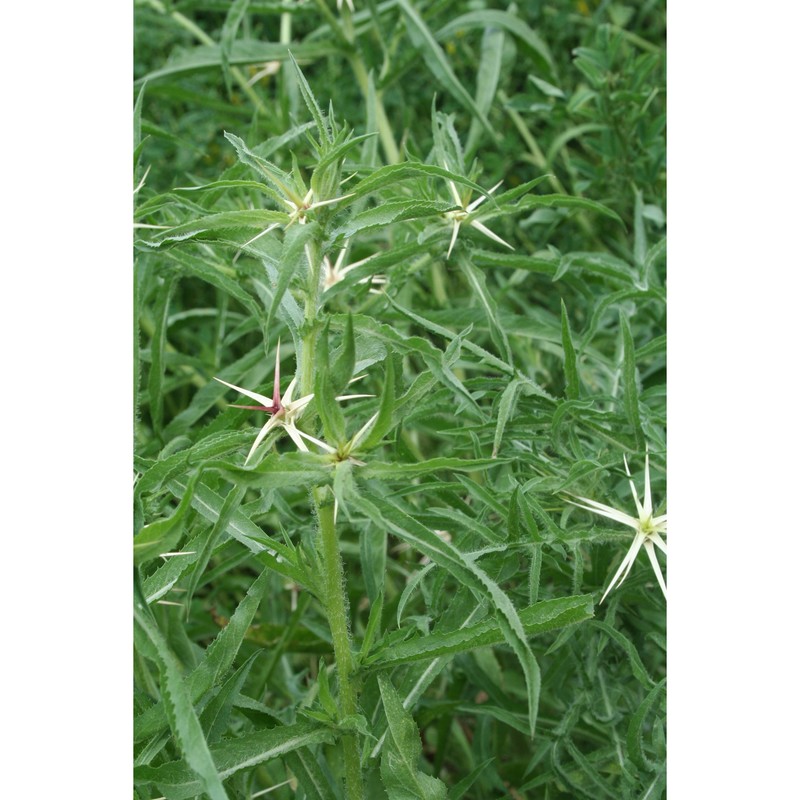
(214, 718)
(325, 696)
(217, 660)
(325, 400)
(391, 174)
(388, 471)
(400, 771)
(293, 261)
(209, 504)
(549, 90)
(604, 264)
(549, 201)
(383, 423)
(163, 535)
(242, 52)
(177, 706)
(595, 778)
(323, 127)
(534, 572)
(465, 784)
(570, 360)
(388, 213)
(235, 755)
(630, 389)
(373, 626)
(214, 225)
(339, 152)
(547, 615)
(279, 471)
(137, 121)
(477, 281)
(282, 181)
(342, 369)
(637, 667)
(505, 409)
(212, 273)
(485, 355)
(634, 735)
(309, 775)
(210, 540)
(639, 231)
(466, 570)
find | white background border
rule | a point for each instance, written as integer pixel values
(67, 398)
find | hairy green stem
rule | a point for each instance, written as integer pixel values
(336, 606)
(308, 353)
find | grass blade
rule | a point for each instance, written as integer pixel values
(422, 38)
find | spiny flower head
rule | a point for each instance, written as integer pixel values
(463, 214)
(648, 528)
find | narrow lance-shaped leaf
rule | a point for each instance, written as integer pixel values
(487, 80)
(275, 471)
(137, 123)
(311, 103)
(595, 779)
(634, 736)
(477, 280)
(490, 18)
(216, 226)
(231, 504)
(383, 423)
(405, 471)
(324, 396)
(309, 775)
(485, 355)
(158, 345)
(281, 180)
(570, 361)
(217, 660)
(466, 570)
(373, 625)
(505, 410)
(391, 174)
(342, 368)
(549, 201)
(548, 615)
(630, 389)
(233, 20)
(402, 778)
(637, 667)
(293, 261)
(161, 536)
(214, 718)
(177, 703)
(231, 757)
(422, 38)
(207, 57)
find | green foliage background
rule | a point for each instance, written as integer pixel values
(503, 381)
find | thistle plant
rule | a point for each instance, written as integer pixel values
(386, 591)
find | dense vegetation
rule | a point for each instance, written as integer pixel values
(453, 215)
